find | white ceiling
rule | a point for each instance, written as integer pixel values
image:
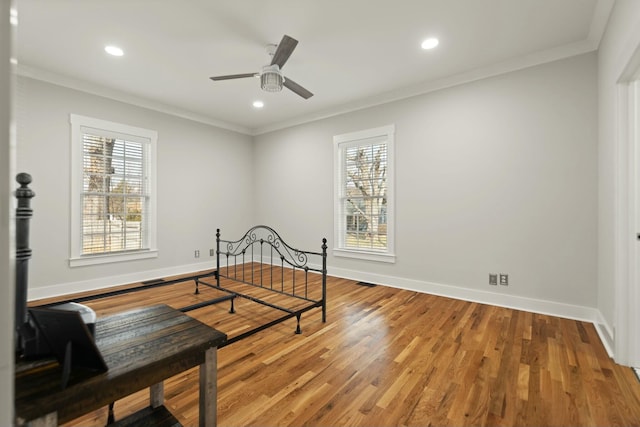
(351, 53)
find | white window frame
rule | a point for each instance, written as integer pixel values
(119, 130)
(340, 142)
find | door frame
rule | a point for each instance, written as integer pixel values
(627, 286)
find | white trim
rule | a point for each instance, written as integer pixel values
(85, 260)
(623, 226)
(76, 258)
(104, 283)
(633, 287)
(627, 215)
(552, 308)
(365, 255)
(508, 66)
(537, 58)
(606, 333)
(599, 22)
(116, 95)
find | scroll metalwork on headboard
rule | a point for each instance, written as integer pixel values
(263, 234)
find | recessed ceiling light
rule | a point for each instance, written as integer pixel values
(114, 50)
(430, 43)
(13, 60)
(258, 104)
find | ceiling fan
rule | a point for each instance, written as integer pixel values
(271, 77)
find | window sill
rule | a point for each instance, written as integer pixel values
(85, 260)
(365, 255)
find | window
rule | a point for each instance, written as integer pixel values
(363, 201)
(113, 192)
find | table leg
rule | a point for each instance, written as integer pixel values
(209, 389)
(156, 395)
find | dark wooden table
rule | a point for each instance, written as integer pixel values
(142, 348)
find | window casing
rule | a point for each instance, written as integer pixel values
(113, 192)
(363, 194)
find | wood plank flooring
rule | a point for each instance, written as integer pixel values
(390, 357)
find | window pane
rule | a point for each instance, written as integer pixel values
(114, 195)
(133, 236)
(93, 243)
(365, 223)
(365, 192)
(134, 209)
(116, 205)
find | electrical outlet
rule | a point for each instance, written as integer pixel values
(504, 279)
(197, 254)
(211, 252)
(493, 279)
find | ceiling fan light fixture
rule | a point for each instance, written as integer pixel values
(271, 79)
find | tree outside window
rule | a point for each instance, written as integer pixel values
(364, 166)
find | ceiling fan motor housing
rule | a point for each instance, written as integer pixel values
(271, 79)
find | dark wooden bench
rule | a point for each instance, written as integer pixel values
(142, 348)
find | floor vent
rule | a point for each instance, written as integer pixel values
(368, 285)
(152, 281)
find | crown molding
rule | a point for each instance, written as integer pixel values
(599, 21)
(106, 92)
(591, 43)
(526, 61)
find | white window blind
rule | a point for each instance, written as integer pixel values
(115, 194)
(113, 216)
(364, 194)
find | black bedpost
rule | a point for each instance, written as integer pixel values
(324, 280)
(24, 331)
(218, 258)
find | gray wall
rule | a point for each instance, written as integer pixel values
(499, 175)
(493, 176)
(203, 184)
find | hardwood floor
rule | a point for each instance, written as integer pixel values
(389, 357)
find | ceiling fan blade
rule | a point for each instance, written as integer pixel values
(234, 76)
(284, 50)
(295, 87)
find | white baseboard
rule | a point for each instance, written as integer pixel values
(570, 311)
(111, 281)
(553, 308)
(606, 334)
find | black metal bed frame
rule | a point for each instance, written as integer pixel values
(290, 258)
(261, 246)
